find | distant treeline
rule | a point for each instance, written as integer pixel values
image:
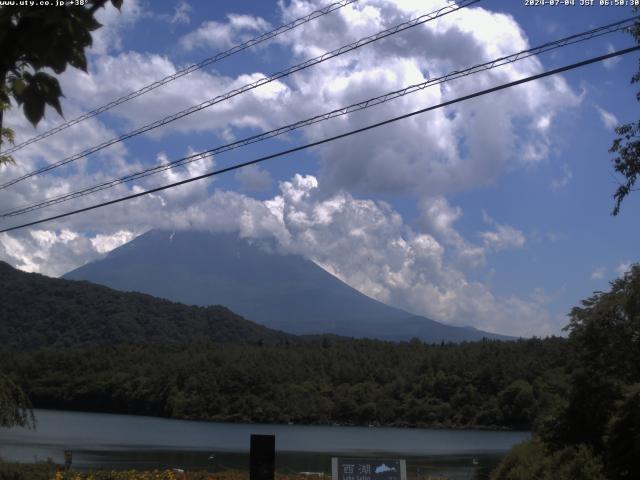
(360, 382)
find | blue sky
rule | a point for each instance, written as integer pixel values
(495, 213)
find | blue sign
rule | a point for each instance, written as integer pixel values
(368, 469)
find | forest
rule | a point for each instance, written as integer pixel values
(488, 384)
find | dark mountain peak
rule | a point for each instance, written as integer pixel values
(251, 277)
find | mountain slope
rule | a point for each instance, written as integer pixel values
(285, 292)
(38, 311)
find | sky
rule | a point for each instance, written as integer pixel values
(493, 213)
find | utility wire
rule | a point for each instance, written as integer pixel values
(452, 7)
(333, 138)
(186, 71)
(563, 42)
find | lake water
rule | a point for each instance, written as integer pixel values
(100, 440)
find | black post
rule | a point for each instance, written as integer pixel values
(262, 457)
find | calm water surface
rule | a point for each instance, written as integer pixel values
(123, 441)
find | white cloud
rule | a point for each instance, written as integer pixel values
(49, 252)
(106, 243)
(598, 273)
(609, 120)
(610, 63)
(108, 38)
(224, 35)
(563, 180)
(503, 237)
(435, 153)
(437, 217)
(114, 76)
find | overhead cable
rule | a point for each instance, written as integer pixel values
(331, 139)
(186, 71)
(563, 42)
(452, 7)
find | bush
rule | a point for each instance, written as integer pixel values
(531, 460)
(27, 471)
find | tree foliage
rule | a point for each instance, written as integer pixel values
(34, 41)
(627, 146)
(598, 423)
(531, 460)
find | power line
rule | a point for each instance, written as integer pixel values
(333, 138)
(563, 42)
(263, 81)
(186, 71)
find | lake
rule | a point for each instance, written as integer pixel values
(100, 440)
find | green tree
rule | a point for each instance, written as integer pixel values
(517, 404)
(33, 41)
(623, 440)
(594, 432)
(627, 146)
(15, 407)
(531, 460)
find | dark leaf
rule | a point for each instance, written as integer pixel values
(55, 103)
(18, 86)
(34, 110)
(79, 60)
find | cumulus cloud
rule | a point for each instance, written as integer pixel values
(438, 217)
(224, 35)
(502, 237)
(105, 243)
(46, 251)
(442, 151)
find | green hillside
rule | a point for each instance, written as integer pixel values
(38, 311)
